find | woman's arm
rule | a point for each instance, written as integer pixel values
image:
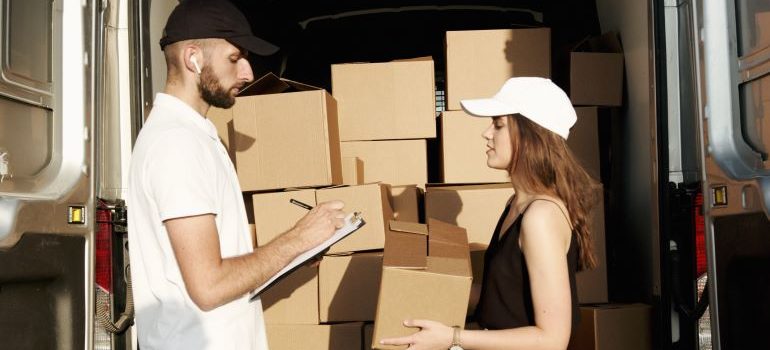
(544, 240)
(473, 300)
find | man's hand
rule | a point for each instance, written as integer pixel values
(319, 224)
(212, 281)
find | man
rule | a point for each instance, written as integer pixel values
(191, 254)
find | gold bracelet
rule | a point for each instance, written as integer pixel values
(456, 339)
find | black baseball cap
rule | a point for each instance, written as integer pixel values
(209, 19)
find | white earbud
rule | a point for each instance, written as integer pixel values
(195, 63)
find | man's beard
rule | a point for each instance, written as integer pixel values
(212, 91)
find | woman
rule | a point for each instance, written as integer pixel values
(528, 298)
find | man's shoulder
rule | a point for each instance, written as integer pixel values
(166, 131)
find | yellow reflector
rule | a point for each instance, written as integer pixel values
(76, 215)
(719, 195)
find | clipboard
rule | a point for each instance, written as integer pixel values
(353, 222)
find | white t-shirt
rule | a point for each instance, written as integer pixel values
(180, 168)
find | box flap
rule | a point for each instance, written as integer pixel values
(405, 249)
(409, 227)
(272, 84)
(447, 240)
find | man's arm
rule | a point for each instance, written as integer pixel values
(212, 281)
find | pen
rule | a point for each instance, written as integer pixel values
(300, 204)
(348, 218)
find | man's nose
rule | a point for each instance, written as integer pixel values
(244, 70)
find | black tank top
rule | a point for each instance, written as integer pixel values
(506, 299)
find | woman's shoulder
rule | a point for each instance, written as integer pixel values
(546, 214)
(547, 205)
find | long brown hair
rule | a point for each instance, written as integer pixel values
(543, 164)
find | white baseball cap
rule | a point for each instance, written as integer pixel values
(538, 99)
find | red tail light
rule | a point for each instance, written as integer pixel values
(104, 249)
(700, 234)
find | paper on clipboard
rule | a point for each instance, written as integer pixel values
(353, 222)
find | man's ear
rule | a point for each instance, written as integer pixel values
(195, 63)
(190, 57)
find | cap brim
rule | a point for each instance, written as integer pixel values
(254, 45)
(486, 107)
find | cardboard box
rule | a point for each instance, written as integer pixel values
(596, 72)
(395, 162)
(592, 284)
(480, 61)
(463, 150)
(368, 336)
(341, 336)
(583, 140)
(274, 214)
(385, 101)
(253, 230)
(426, 274)
(287, 139)
(352, 171)
(373, 201)
(293, 299)
(406, 203)
(613, 326)
(477, 208)
(348, 287)
(477, 251)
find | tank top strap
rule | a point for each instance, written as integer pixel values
(557, 205)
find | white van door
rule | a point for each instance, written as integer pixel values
(46, 168)
(733, 60)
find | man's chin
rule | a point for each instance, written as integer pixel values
(224, 104)
(229, 104)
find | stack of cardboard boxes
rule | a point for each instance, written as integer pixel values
(365, 144)
(284, 139)
(596, 91)
(386, 113)
(471, 194)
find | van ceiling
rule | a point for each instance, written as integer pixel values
(314, 34)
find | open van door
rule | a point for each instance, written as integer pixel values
(65, 140)
(46, 168)
(733, 61)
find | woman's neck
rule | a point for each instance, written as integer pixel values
(521, 199)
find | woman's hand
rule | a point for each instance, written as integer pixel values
(432, 336)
